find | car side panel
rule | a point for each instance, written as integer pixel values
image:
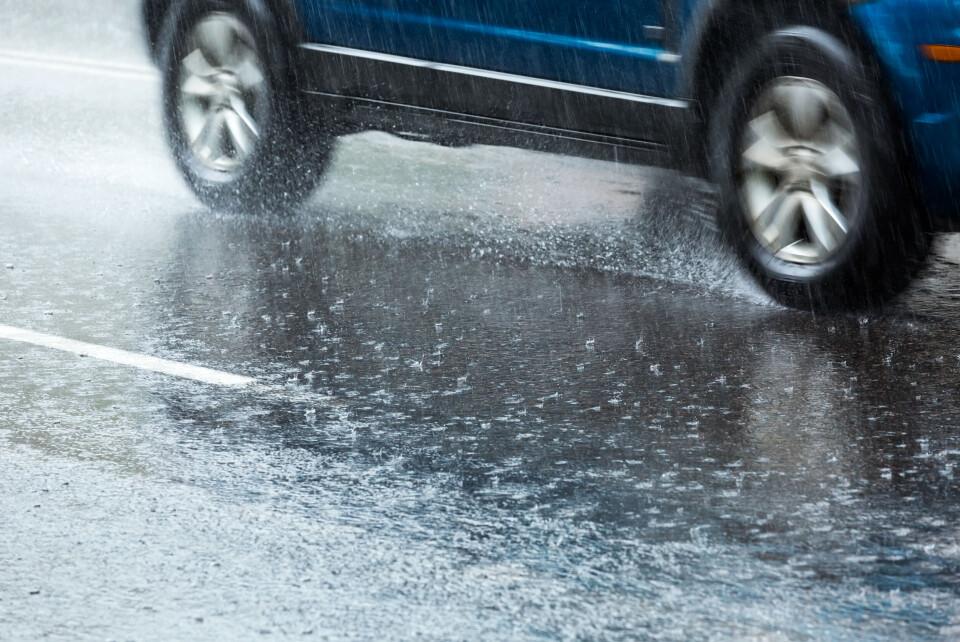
(613, 44)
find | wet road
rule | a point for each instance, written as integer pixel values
(499, 394)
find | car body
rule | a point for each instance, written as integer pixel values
(636, 81)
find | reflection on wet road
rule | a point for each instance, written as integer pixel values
(492, 404)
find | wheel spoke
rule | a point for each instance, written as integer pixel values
(778, 222)
(239, 107)
(247, 69)
(242, 138)
(802, 109)
(764, 213)
(837, 163)
(784, 227)
(209, 142)
(838, 132)
(837, 219)
(218, 39)
(194, 118)
(758, 191)
(197, 64)
(818, 222)
(767, 151)
(199, 86)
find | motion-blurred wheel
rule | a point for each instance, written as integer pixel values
(816, 192)
(231, 110)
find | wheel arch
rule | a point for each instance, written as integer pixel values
(723, 31)
(154, 14)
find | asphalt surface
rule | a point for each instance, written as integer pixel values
(498, 394)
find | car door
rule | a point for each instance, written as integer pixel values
(611, 44)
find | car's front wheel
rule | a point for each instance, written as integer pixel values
(231, 111)
(815, 195)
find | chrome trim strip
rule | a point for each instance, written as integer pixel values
(499, 75)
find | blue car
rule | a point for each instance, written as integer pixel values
(831, 128)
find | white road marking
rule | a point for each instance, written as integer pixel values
(79, 65)
(114, 355)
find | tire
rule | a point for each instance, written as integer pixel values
(234, 122)
(816, 193)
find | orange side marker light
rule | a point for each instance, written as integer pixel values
(941, 53)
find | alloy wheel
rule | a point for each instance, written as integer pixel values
(800, 170)
(223, 92)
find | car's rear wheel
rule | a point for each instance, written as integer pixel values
(816, 194)
(238, 131)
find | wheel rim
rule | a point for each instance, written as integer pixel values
(800, 171)
(222, 92)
